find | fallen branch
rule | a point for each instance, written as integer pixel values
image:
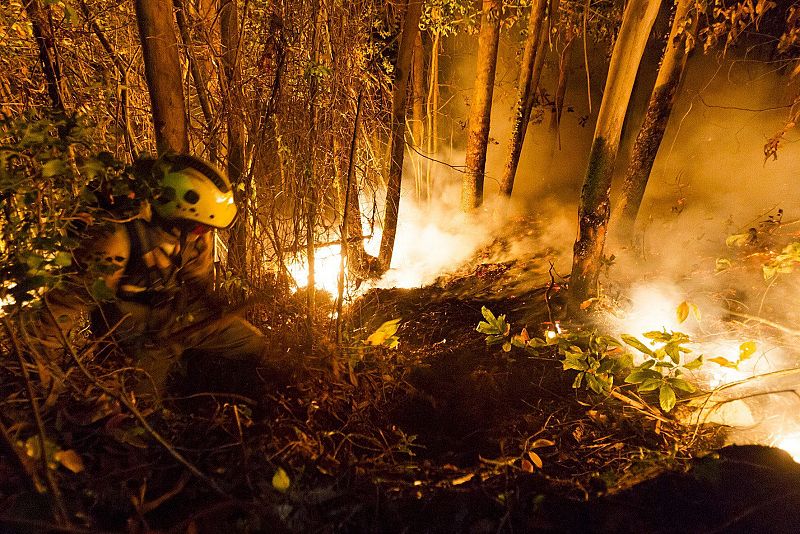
(765, 322)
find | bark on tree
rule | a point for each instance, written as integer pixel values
(397, 139)
(561, 88)
(480, 113)
(162, 70)
(201, 88)
(432, 114)
(42, 31)
(593, 212)
(229, 36)
(122, 69)
(526, 87)
(418, 108)
(418, 92)
(656, 118)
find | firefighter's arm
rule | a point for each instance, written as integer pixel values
(198, 270)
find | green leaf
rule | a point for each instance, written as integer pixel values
(486, 328)
(281, 481)
(101, 291)
(594, 384)
(674, 353)
(495, 339)
(638, 376)
(657, 335)
(682, 385)
(578, 379)
(666, 397)
(651, 384)
(63, 259)
(488, 315)
(638, 345)
(54, 167)
(574, 363)
(694, 364)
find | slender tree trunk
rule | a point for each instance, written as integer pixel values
(162, 70)
(561, 89)
(346, 221)
(480, 114)
(397, 141)
(201, 88)
(122, 69)
(656, 118)
(593, 212)
(418, 107)
(432, 112)
(45, 41)
(526, 86)
(234, 109)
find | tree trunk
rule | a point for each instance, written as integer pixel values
(480, 114)
(656, 118)
(397, 141)
(162, 70)
(526, 86)
(40, 24)
(418, 92)
(432, 114)
(229, 36)
(593, 212)
(561, 88)
(418, 108)
(201, 88)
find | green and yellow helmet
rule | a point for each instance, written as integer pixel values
(194, 190)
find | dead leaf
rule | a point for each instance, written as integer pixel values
(280, 480)
(541, 442)
(535, 459)
(527, 466)
(683, 311)
(462, 479)
(69, 459)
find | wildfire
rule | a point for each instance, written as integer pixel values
(753, 420)
(790, 444)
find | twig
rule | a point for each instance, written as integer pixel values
(345, 212)
(61, 510)
(765, 322)
(123, 399)
(638, 406)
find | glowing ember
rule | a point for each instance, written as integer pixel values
(790, 444)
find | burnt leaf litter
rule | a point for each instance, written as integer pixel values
(442, 433)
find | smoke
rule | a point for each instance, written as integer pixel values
(710, 180)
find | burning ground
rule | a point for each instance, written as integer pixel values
(444, 431)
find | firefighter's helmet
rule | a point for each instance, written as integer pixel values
(194, 190)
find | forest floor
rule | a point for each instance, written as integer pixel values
(443, 433)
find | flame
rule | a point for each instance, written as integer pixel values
(327, 263)
(791, 444)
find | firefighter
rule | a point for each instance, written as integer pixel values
(156, 271)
